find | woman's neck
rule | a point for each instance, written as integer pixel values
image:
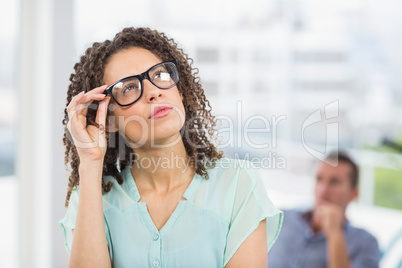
(162, 169)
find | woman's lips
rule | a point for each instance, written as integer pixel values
(160, 111)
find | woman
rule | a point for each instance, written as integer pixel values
(147, 187)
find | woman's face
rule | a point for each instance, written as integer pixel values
(135, 122)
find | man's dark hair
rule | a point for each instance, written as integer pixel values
(344, 158)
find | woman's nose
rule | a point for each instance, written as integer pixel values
(151, 92)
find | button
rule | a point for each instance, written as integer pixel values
(156, 237)
(155, 263)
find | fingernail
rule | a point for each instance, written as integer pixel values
(81, 93)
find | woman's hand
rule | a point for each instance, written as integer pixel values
(90, 140)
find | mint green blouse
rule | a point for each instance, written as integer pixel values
(205, 230)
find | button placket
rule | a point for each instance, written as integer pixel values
(155, 237)
(155, 263)
(155, 256)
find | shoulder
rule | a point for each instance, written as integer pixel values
(235, 183)
(234, 170)
(364, 245)
(228, 172)
(294, 222)
(361, 236)
(230, 178)
(293, 215)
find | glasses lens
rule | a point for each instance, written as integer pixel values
(164, 75)
(127, 91)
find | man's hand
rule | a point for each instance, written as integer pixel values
(328, 218)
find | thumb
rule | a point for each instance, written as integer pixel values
(101, 120)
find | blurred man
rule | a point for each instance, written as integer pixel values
(323, 237)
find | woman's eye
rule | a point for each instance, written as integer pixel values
(157, 74)
(128, 89)
(162, 76)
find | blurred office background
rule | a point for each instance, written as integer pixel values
(302, 77)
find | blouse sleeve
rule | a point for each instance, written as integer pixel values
(251, 206)
(68, 223)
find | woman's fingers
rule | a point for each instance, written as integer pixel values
(83, 97)
(101, 119)
(78, 107)
(102, 111)
(97, 90)
(95, 93)
(80, 102)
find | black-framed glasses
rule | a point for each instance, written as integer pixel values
(128, 90)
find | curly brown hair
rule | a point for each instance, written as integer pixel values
(199, 126)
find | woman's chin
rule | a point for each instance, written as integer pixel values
(157, 141)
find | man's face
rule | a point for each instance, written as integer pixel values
(333, 185)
